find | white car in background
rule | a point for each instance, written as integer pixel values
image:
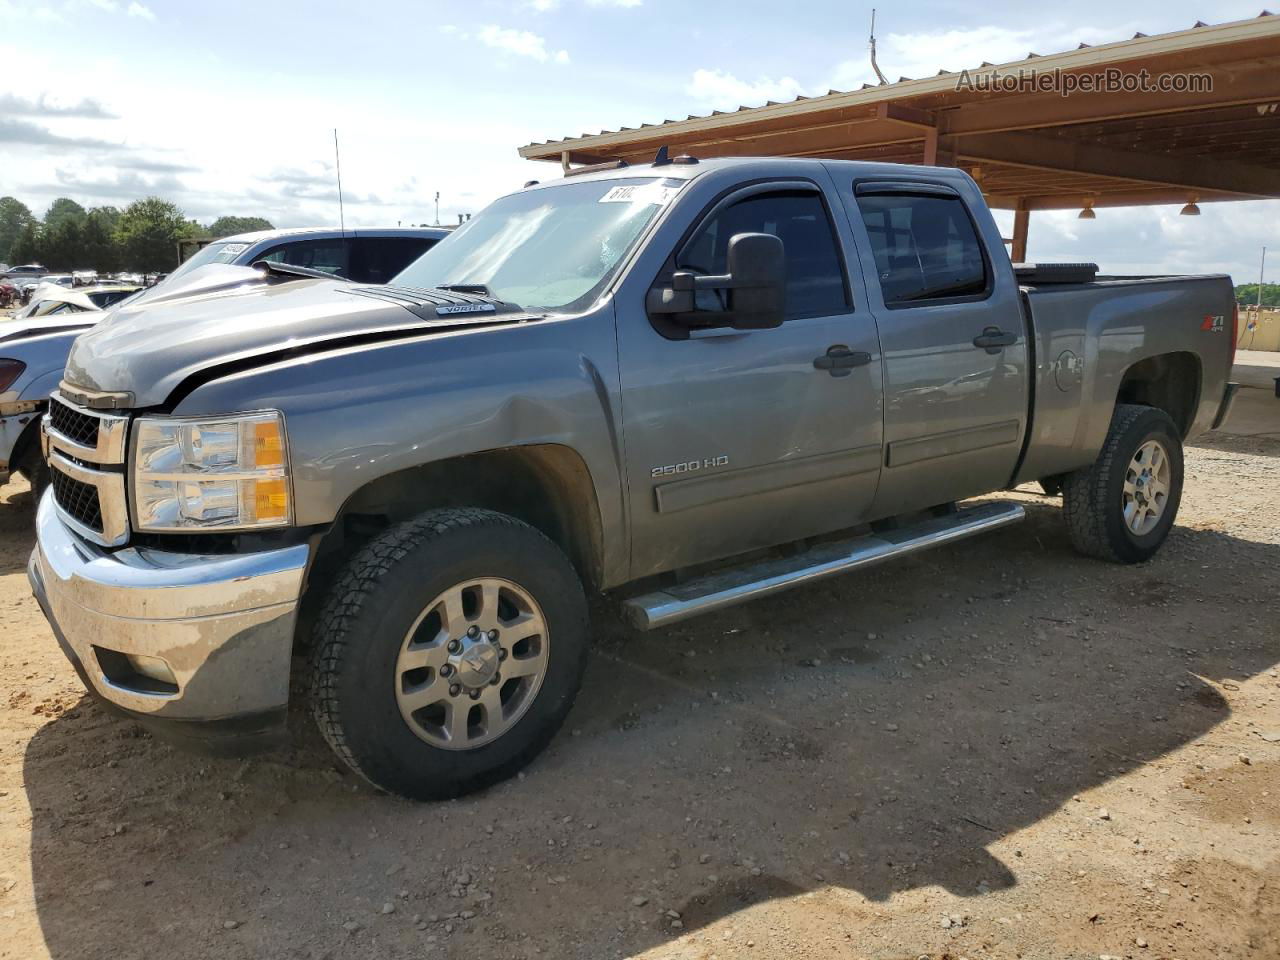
(35, 344)
(51, 299)
(33, 350)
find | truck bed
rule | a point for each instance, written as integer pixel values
(1086, 335)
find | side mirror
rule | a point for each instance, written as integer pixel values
(758, 270)
(755, 286)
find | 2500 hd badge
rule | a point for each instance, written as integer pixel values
(671, 469)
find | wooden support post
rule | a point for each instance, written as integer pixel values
(564, 161)
(931, 147)
(1021, 222)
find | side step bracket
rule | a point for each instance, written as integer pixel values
(725, 588)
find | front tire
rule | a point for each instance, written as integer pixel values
(1122, 507)
(448, 653)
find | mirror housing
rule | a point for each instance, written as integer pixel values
(755, 284)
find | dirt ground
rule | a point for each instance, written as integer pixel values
(994, 750)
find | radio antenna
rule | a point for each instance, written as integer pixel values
(337, 166)
(875, 66)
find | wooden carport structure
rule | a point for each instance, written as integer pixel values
(1204, 127)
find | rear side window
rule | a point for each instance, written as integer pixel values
(378, 259)
(106, 298)
(815, 272)
(925, 248)
(329, 256)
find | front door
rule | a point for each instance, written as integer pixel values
(955, 349)
(743, 439)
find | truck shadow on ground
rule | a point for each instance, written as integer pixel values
(877, 733)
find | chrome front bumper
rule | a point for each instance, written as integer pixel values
(222, 624)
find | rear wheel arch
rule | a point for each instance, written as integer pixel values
(1170, 382)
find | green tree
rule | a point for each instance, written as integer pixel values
(228, 226)
(14, 216)
(99, 252)
(1247, 294)
(61, 211)
(63, 245)
(107, 217)
(28, 247)
(147, 235)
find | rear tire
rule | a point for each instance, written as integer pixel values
(1122, 507)
(408, 683)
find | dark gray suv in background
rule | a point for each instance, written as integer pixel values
(366, 255)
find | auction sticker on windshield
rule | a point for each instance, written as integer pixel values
(657, 193)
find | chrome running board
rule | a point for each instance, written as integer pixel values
(725, 588)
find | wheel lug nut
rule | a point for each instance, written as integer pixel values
(446, 670)
(454, 646)
(475, 694)
(493, 636)
(473, 631)
(502, 654)
(455, 689)
(497, 679)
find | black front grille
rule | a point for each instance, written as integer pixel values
(79, 500)
(74, 425)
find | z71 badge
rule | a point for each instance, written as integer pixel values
(1214, 324)
(689, 466)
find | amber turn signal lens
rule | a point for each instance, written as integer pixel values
(268, 444)
(270, 499)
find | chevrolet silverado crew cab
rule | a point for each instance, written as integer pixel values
(690, 384)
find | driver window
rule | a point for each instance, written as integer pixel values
(815, 273)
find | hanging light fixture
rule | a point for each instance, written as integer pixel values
(1192, 209)
(1087, 213)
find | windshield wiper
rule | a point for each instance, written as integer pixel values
(294, 271)
(479, 289)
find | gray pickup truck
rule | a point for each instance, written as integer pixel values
(690, 384)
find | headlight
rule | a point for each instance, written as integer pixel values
(212, 473)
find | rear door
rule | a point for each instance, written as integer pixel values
(952, 332)
(742, 439)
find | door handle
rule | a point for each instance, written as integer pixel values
(993, 339)
(839, 360)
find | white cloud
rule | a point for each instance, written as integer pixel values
(721, 90)
(138, 10)
(158, 141)
(1138, 240)
(110, 6)
(920, 55)
(614, 3)
(522, 43)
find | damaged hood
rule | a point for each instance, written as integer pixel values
(228, 316)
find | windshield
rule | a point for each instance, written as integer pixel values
(545, 249)
(220, 251)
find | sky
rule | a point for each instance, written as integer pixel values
(230, 107)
